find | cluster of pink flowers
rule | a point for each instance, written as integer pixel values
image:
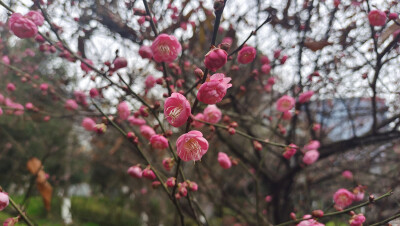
(357, 220)
(25, 26)
(309, 221)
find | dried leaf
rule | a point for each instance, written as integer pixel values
(33, 165)
(316, 45)
(46, 191)
(388, 32)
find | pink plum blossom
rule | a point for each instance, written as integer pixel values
(224, 160)
(343, 198)
(312, 145)
(4, 200)
(21, 26)
(147, 131)
(135, 171)
(120, 62)
(150, 82)
(246, 55)
(197, 124)
(165, 48)
(159, 142)
(145, 52)
(11, 87)
(357, 220)
(290, 150)
(215, 59)
(71, 105)
(149, 174)
(212, 114)
(306, 96)
(347, 174)
(123, 110)
(86, 68)
(310, 157)
(89, 124)
(377, 17)
(36, 17)
(44, 86)
(136, 121)
(285, 103)
(191, 146)
(177, 109)
(213, 91)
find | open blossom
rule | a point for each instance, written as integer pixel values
(147, 131)
(347, 174)
(4, 200)
(165, 48)
(310, 157)
(6, 60)
(306, 96)
(215, 59)
(357, 220)
(123, 110)
(177, 109)
(246, 55)
(145, 52)
(135, 171)
(343, 198)
(159, 141)
(285, 103)
(89, 124)
(21, 26)
(191, 146)
(212, 114)
(213, 91)
(36, 17)
(224, 160)
(377, 18)
(136, 121)
(71, 105)
(197, 124)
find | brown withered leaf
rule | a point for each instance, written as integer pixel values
(388, 32)
(316, 45)
(46, 191)
(33, 165)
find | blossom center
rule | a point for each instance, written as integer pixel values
(175, 112)
(193, 147)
